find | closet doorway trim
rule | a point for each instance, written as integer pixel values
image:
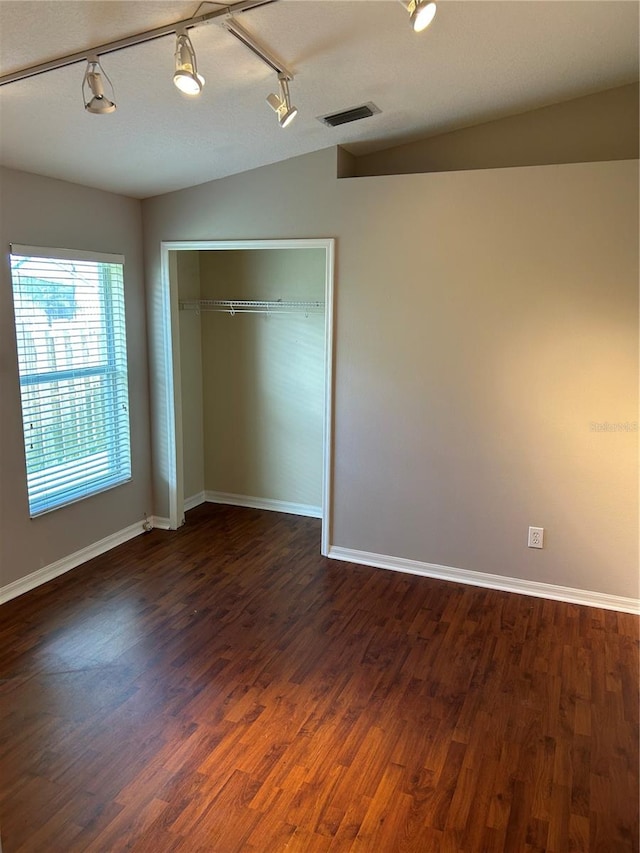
(174, 459)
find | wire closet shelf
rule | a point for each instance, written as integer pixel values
(252, 306)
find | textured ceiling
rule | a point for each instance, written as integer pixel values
(478, 60)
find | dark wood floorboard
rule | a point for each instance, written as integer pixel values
(224, 688)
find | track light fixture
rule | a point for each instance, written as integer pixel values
(95, 100)
(282, 104)
(186, 77)
(421, 13)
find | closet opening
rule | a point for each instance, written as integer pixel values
(248, 341)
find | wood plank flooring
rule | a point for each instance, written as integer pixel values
(224, 688)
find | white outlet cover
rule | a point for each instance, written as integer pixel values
(536, 537)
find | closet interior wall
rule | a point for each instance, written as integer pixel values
(190, 330)
(253, 384)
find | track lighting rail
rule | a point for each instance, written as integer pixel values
(97, 89)
(251, 306)
(141, 38)
(234, 29)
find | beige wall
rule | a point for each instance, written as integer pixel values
(263, 376)
(187, 270)
(603, 126)
(484, 321)
(44, 212)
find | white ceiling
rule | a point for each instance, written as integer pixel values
(478, 60)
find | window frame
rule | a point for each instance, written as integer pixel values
(69, 481)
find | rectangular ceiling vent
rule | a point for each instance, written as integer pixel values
(353, 114)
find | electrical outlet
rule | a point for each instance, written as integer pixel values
(536, 537)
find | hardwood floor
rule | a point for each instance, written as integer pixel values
(224, 688)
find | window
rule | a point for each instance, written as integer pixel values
(72, 359)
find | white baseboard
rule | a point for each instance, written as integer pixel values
(263, 503)
(366, 558)
(194, 500)
(37, 578)
(505, 584)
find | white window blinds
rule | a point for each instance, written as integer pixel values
(72, 358)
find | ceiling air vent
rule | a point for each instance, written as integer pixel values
(353, 114)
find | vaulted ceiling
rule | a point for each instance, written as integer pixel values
(476, 62)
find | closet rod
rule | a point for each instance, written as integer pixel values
(251, 306)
